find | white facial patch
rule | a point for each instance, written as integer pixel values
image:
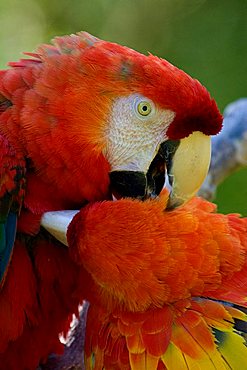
(133, 136)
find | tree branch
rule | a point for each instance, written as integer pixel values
(229, 148)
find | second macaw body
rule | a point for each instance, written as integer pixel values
(161, 285)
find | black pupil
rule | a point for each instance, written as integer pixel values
(144, 108)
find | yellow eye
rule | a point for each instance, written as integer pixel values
(144, 108)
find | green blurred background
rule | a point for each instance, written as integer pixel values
(206, 38)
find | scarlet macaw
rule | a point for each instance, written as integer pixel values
(80, 121)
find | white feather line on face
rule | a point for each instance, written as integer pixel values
(132, 141)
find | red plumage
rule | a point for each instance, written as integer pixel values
(54, 110)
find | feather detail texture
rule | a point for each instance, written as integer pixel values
(154, 299)
(12, 184)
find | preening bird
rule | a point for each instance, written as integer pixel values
(84, 121)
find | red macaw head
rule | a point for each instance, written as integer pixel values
(111, 116)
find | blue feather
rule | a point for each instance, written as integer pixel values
(7, 239)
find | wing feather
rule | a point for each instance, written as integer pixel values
(12, 182)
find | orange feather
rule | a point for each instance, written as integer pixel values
(157, 286)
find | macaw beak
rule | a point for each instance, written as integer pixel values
(57, 222)
(182, 165)
(189, 168)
